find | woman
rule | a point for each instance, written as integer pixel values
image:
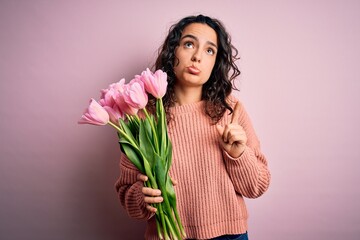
(216, 155)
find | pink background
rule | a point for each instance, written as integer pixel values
(300, 83)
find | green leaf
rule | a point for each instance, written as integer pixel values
(171, 193)
(158, 108)
(168, 156)
(132, 155)
(161, 127)
(146, 145)
(133, 124)
(162, 178)
(127, 130)
(147, 129)
(160, 171)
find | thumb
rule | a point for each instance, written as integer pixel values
(220, 130)
(174, 182)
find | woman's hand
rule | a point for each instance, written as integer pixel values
(151, 195)
(232, 136)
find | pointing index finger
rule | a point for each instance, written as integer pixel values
(236, 113)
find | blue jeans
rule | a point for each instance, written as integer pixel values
(243, 236)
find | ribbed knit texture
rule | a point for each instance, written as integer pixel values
(211, 184)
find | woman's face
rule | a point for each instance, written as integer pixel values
(196, 54)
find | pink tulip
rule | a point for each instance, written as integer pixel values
(135, 95)
(155, 83)
(109, 95)
(114, 113)
(95, 114)
(124, 107)
(119, 86)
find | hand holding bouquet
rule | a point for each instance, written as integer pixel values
(144, 139)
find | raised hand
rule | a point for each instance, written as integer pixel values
(232, 137)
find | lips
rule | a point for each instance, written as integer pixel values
(193, 70)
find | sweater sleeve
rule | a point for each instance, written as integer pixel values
(249, 172)
(129, 190)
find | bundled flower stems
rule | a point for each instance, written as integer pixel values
(144, 140)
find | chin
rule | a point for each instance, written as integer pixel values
(192, 80)
(195, 79)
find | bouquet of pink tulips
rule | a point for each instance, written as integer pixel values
(144, 140)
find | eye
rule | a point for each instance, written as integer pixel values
(210, 51)
(188, 45)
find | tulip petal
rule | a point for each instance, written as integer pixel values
(114, 113)
(135, 95)
(155, 83)
(124, 107)
(95, 114)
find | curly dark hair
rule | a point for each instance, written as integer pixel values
(220, 84)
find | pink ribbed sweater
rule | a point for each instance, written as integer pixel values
(211, 184)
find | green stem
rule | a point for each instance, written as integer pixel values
(123, 133)
(158, 228)
(162, 120)
(115, 126)
(137, 118)
(153, 129)
(168, 209)
(171, 228)
(155, 186)
(162, 220)
(181, 228)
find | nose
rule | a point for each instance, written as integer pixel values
(196, 57)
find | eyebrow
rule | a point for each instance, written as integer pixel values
(195, 38)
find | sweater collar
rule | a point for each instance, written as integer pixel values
(187, 108)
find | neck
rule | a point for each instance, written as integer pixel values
(187, 95)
